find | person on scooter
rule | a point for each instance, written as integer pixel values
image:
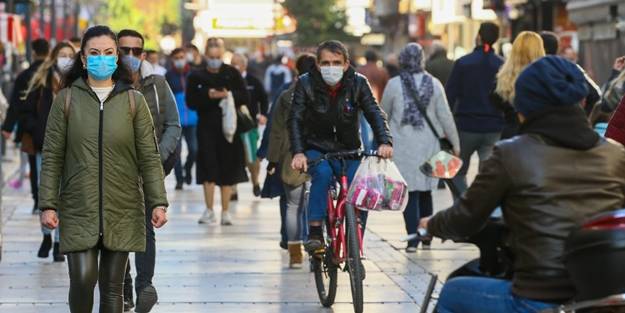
(324, 118)
(550, 178)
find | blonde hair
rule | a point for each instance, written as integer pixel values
(527, 47)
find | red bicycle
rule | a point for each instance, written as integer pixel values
(343, 242)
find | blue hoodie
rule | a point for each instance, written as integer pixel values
(177, 81)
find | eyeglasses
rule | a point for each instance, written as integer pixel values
(135, 51)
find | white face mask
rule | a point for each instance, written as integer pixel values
(64, 64)
(190, 57)
(332, 75)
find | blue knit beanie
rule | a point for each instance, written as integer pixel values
(550, 81)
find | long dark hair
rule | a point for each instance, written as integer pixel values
(78, 70)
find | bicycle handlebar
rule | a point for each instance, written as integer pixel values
(342, 155)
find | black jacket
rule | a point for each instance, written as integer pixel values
(548, 180)
(16, 102)
(35, 110)
(315, 123)
(259, 102)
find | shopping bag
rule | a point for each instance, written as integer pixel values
(378, 186)
(228, 117)
(443, 165)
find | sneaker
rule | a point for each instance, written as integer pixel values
(146, 299)
(179, 186)
(226, 219)
(426, 244)
(257, 190)
(412, 246)
(208, 217)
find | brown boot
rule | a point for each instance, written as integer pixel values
(295, 255)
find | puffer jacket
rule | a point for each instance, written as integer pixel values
(98, 161)
(548, 181)
(315, 123)
(162, 104)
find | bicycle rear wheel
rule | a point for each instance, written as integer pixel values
(325, 278)
(354, 264)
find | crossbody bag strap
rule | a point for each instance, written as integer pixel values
(444, 142)
(133, 104)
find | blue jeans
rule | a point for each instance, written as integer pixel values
(189, 133)
(484, 295)
(322, 178)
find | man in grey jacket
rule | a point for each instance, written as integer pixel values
(162, 105)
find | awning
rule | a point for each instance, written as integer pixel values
(10, 29)
(583, 4)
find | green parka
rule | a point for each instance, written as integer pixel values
(98, 160)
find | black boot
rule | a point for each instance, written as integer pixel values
(56, 253)
(46, 245)
(146, 299)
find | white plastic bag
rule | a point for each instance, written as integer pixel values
(228, 117)
(378, 186)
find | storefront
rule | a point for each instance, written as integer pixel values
(601, 33)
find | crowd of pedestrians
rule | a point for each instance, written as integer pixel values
(101, 122)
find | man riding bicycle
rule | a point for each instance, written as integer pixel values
(325, 118)
(548, 180)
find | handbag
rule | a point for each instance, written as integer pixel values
(245, 122)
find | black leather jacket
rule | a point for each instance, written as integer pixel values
(315, 123)
(547, 185)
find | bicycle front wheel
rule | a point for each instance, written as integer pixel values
(354, 263)
(325, 277)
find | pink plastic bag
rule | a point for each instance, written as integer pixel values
(378, 186)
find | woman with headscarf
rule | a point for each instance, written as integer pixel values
(414, 141)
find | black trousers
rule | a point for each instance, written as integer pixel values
(85, 272)
(144, 261)
(34, 178)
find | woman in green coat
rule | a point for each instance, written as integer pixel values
(99, 157)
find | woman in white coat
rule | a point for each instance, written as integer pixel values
(413, 140)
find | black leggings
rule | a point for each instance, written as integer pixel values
(84, 272)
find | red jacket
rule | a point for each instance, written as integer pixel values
(616, 127)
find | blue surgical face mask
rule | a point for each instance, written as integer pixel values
(132, 62)
(101, 67)
(214, 63)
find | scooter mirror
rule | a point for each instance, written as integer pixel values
(442, 165)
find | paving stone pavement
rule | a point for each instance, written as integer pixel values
(239, 268)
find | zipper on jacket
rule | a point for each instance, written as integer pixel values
(101, 168)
